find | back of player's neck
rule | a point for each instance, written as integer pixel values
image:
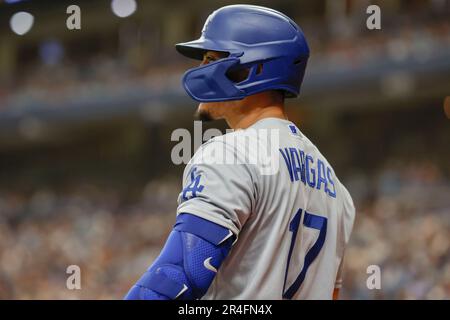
(247, 120)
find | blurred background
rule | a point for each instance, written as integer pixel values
(86, 117)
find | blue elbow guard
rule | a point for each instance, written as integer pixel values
(188, 262)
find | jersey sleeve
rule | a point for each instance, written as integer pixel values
(339, 276)
(218, 187)
(347, 226)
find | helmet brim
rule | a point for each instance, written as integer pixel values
(195, 49)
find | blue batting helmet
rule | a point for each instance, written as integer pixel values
(264, 41)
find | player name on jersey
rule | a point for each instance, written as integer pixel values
(314, 173)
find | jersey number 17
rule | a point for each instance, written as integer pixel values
(309, 221)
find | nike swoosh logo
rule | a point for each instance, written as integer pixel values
(182, 291)
(230, 233)
(208, 265)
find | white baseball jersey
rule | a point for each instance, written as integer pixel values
(277, 193)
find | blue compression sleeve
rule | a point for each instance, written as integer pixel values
(188, 262)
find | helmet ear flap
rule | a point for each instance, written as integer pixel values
(299, 60)
(209, 83)
(239, 74)
(259, 69)
(243, 73)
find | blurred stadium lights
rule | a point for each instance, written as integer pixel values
(14, 1)
(21, 22)
(123, 8)
(51, 52)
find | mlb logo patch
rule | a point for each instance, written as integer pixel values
(294, 130)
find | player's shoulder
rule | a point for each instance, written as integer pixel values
(247, 151)
(219, 150)
(232, 143)
(260, 131)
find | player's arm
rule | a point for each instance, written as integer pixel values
(201, 240)
(336, 294)
(188, 262)
(338, 282)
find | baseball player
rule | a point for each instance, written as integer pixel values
(262, 214)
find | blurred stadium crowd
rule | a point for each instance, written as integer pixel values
(61, 81)
(402, 195)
